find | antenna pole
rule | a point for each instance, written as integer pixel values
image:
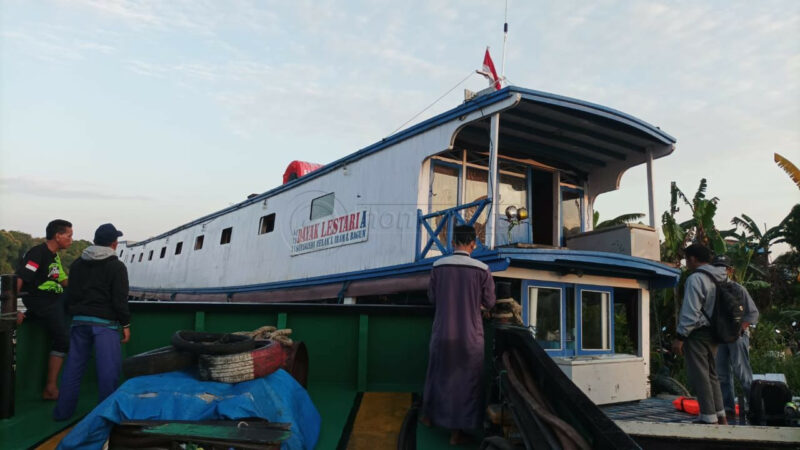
(505, 39)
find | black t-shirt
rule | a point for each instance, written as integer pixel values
(41, 273)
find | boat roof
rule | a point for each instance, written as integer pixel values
(581, 134)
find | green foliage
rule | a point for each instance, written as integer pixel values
(14, 244)
(775, 286)
(619, 220)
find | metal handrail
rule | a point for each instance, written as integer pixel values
(451, 217)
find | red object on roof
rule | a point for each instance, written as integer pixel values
(297, 169)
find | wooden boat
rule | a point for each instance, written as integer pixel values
(366, 228)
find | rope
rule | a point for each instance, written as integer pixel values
(269, 332)
(434, 102)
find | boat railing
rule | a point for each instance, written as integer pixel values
(435, 230)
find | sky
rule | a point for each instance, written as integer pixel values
(149, 114)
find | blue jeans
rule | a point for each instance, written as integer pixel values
(734, 359)
(108, 356)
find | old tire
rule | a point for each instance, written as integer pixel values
(667, 385)
(212, 343)
(266, 358)
(160, 360)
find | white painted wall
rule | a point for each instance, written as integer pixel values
(387, 183)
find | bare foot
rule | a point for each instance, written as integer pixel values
(50, 393)
(425, 421)
(458, 437)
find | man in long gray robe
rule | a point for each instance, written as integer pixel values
(459, 286)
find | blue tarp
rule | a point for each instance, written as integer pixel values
(179, 396)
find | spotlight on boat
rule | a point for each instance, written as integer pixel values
(522, 213)
(511, 212)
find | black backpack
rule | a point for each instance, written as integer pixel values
(726, 319)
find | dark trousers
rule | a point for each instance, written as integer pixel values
(701, 372)
(52, 313)
(108, 356)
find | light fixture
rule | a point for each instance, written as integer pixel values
(511, 212)
(522, 213)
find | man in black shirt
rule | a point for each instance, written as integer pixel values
(41, 282)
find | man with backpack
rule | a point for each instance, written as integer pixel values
(734, 358)
(696, 337)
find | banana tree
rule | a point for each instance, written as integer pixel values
(758, 240)
(619, 220)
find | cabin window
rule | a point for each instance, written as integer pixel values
(546, 314)
(163, 252)
(140, 256)
(596, 330)
(266, 224)
(569, 320)
(198, 242)
(150, 256)
(120, 253)
(571, 213)
(225, 237)
(322, 206)
(178, 248)
(132, 256)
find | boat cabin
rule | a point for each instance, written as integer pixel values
(524, 167)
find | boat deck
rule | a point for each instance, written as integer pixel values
(648, 410)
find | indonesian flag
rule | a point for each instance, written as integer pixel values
(489, 72)
(32, 266)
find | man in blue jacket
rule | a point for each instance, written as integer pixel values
(734, 358)
(695, 337)
(98, 302)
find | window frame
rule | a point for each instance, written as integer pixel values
(261, 223)
(333, 206)
(452, 165)
(562, 287)
(222, 236)
(579, 289)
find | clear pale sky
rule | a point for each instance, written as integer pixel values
(150, 114)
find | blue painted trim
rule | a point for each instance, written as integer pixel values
(660, 275)
(579, 288)
(562, 287)
(495, 263)
(465, 108)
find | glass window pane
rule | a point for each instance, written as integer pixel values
(444, 187)
(570, 213)
(322, 206)
(595, 330)
(513, 192)
(544, 315)
(475, 189)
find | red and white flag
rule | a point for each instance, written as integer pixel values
(489, 72)
(32, 266)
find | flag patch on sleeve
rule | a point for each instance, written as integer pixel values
(32, 266)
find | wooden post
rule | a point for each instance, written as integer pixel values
(8, 350)
(492, 181)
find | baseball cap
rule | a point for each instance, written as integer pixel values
(721, 260)
(106, 234)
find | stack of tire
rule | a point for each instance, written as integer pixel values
(226, 358)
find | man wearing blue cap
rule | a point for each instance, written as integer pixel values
(98, 301)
